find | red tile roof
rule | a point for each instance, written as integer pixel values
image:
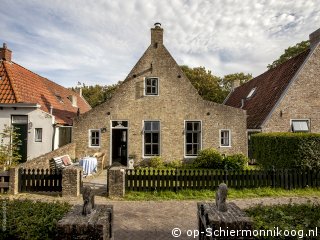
(19, 85)
(269, 88)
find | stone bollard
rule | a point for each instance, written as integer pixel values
(116, 182)
(71, 181)
(96, 225)
(14, 180)
(223, 220)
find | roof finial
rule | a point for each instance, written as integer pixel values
(4, 45)
(157, 25)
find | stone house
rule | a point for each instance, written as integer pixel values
(156, 111)
(41, 110)
(285, 98)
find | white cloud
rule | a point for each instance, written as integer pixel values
(98, 42)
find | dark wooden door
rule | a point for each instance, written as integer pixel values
(22, 130)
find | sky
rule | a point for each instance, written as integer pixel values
(99, 42)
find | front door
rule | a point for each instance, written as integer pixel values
(119, 144)
(20, 124)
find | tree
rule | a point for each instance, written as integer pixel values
(227, 80)
(97, 94)
(290, 52)
(9, 146)
(206, 84)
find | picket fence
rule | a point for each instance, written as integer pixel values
(178, 179)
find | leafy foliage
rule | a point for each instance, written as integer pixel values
(174, 164)
(97, 94)
(156, 162)
(301, 218)
(287, 150)
(227, 80)
(30, 220)
(235, 162)
(209, 158)
(290, 52)
(9, 155)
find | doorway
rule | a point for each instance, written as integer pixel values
(120, 146)
(20, 124)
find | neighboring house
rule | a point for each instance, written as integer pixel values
(41, 110)
(285, 98)
(156, 111)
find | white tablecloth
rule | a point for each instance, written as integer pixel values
(89, 164)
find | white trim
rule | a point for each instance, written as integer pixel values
(144, 87)
(284, 93)
(22, 105)
(160, 139)
(89, 137)
(300, 119)
(222, 146)
(184, 137)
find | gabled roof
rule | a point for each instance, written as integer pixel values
(269, 87)
(19, 85)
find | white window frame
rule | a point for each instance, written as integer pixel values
(220, 137)
(297, 119)
(143, 152)
(184, 138)
(90, 135)
(145, 87)
(35, 135)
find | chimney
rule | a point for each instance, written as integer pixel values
(156, 35)
(5, 53)
(235, 84)
(73, 100)
(314, 38)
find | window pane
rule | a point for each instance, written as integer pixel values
(147, 126)
(154, 82)
(189, 138)
(155, 126)
(38, 134)
(147, 150)
(148, 91)
(189, 149)
(195, 137)
(155, 149)
(148, 81)
(189, 126)
(155, 138)
(147, 137)
(196, 126)
(300, 126)
(195, 149)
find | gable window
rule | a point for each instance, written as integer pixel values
(192, 137)
(151, 138)
(94, 138)
(38, 134)
(225, 138)
(300, 125)
(151, 86)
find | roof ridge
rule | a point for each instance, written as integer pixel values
(12, 83)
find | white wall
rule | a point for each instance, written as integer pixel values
(39, 119)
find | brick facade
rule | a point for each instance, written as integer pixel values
(177, 102)
(302, 99)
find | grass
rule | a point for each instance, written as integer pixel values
(210, 194)
(300, 217)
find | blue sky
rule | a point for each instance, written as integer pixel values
(98, 42)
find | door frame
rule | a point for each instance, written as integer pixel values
(110, 137)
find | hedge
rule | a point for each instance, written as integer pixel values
(287, 150)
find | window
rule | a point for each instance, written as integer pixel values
(300, 125)
(151, 138)
(225, 140)
(192, 137)
(38, 134)
(151, 86)
(94, 138)
(253, 90)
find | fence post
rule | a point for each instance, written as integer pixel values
(273, 177)
(14, 180)
(116, 182)
(176, 186)
(71, 181)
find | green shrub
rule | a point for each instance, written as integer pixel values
(174, 164)
(235, 162)
(301, 217)
(30, 220)
(156, 162)
(287, 150)
(209, 158)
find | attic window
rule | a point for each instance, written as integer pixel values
(300, 125)
(59, 98)
(253, 90)
(151, 86)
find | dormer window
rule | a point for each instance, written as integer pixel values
(151, 86)
(253, 90)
